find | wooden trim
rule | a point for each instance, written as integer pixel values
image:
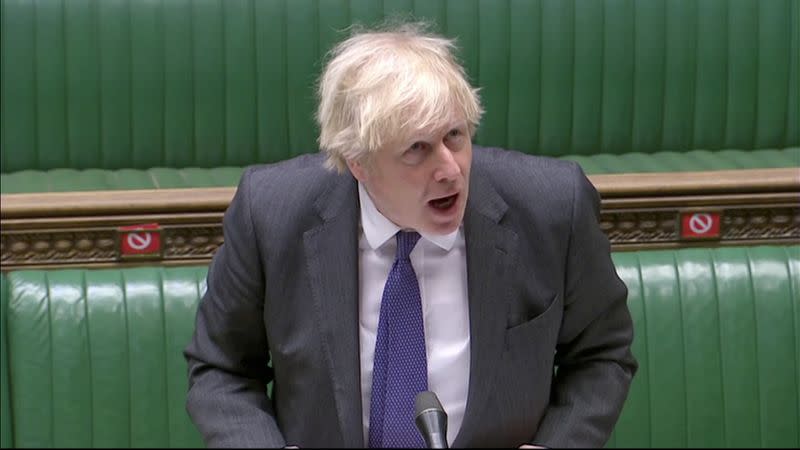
(638, 211)
(88, 221)
(115, 203)
(697, 183)
(699, 200)
(171, 201)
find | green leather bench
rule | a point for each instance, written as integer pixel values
(183, 93)
(92, 358)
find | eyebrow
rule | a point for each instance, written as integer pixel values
(418, 136)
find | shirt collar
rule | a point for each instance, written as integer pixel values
(378, 229)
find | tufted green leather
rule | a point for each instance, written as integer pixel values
(718, 339)
(5, 397)
(187, 83)
(94, 356)
(61, 180)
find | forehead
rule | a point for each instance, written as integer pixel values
(435, 129)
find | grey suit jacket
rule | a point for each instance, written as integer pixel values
(543, 292)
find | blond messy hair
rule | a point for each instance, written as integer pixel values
(379, 86)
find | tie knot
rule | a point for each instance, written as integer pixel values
(406, 240)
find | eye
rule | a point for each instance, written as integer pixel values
(454, 135)
(415, 153)
(455, 139)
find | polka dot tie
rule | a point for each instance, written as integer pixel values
(400, 368)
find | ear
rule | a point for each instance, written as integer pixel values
(358, 170)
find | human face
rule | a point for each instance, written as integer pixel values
(422, 182)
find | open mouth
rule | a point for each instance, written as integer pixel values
(444, 203)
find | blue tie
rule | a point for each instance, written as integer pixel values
(400, 368)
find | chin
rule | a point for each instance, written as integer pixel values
(444, 227)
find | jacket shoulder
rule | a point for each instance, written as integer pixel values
(526, 177)
(295, 175)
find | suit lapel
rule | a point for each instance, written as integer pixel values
(491, 251)
(332, 255)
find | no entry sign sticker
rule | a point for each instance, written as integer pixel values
(140, 240)
(700, 225)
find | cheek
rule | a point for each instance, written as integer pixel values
(464, 159)
(415, 194)
(403, 194)
(465, 166)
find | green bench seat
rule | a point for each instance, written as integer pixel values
(63, 180)
(616, 85)
(92, 358)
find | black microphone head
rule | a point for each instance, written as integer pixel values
(427, 400)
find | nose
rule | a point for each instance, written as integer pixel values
(447, 168)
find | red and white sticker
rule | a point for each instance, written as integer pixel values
(142, 239)
(700, 225)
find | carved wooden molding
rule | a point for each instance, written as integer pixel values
(771, 221)
(45, 242)
(639, 211)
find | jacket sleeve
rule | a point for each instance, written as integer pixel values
(228, 354)
(594, 363)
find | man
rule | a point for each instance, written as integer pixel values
(402, 260)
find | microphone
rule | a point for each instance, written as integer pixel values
(431, 420)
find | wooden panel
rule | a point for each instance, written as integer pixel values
(639, 211)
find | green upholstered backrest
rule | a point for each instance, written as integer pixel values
(137, 84)
(95, 355)
(718, 340)
(6, 433)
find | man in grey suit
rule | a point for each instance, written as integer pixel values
(403, 259)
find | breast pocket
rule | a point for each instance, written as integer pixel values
(539, 331)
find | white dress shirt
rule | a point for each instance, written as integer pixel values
(440, 262)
